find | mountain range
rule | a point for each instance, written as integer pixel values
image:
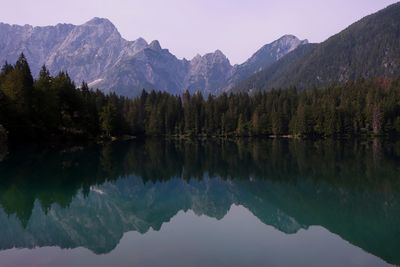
(97, 53)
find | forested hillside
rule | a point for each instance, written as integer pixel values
(367, 49)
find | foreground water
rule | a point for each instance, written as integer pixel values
(249, 203)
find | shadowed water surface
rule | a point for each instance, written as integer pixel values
(222, 203)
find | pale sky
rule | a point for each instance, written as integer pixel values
(188, 27)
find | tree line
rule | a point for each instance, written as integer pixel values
(53, 107)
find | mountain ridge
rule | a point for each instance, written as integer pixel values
(366, 49)
(97, 53)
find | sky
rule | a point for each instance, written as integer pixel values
(189, 27)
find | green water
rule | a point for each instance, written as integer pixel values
(222, 203)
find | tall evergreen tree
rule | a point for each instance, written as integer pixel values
(108, 119)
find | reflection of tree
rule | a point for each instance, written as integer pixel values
(15, 200)
(106, 159)
(287, 184)
(376, 150)
(55, 177)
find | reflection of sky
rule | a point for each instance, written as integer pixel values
(188, 27)
(239, 239)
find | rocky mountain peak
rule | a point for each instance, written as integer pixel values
(155, 45)
(218, 56)
(286, 44)
(196, 58)
(218, 53)
(96, 52)
(290, 39)
(99, 21)
(97, 28)
(287, 37)
(208, 73)
(141, 41)
(278, 48)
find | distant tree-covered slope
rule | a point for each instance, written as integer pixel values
(369, 48)
(263, 58)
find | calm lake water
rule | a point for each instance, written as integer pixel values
(222, 203)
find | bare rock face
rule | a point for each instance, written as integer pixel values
(86, 51)
(152, 68)
(208, 73)
(37, 43)
(96, 52)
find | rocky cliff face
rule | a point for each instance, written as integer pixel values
(86, 51)
(96, 52)
(152, 68)
(90, 50)
(208, 73)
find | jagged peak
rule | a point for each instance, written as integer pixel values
(98, 26)
(290, 38)
(219, 53)
(99, 21)
(155, 45)
(58, 25)
(286, 43)
(216, 54)
(141, 41)
(197, 57)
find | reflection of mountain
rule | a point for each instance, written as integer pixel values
(350, 189)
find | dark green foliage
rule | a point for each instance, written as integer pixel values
(108, 119)
(54, 108)
(353, 109)
(51, 108)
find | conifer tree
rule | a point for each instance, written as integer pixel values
(108, 119)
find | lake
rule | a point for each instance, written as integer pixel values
(202, 203)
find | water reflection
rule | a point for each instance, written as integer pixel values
(90, 197)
